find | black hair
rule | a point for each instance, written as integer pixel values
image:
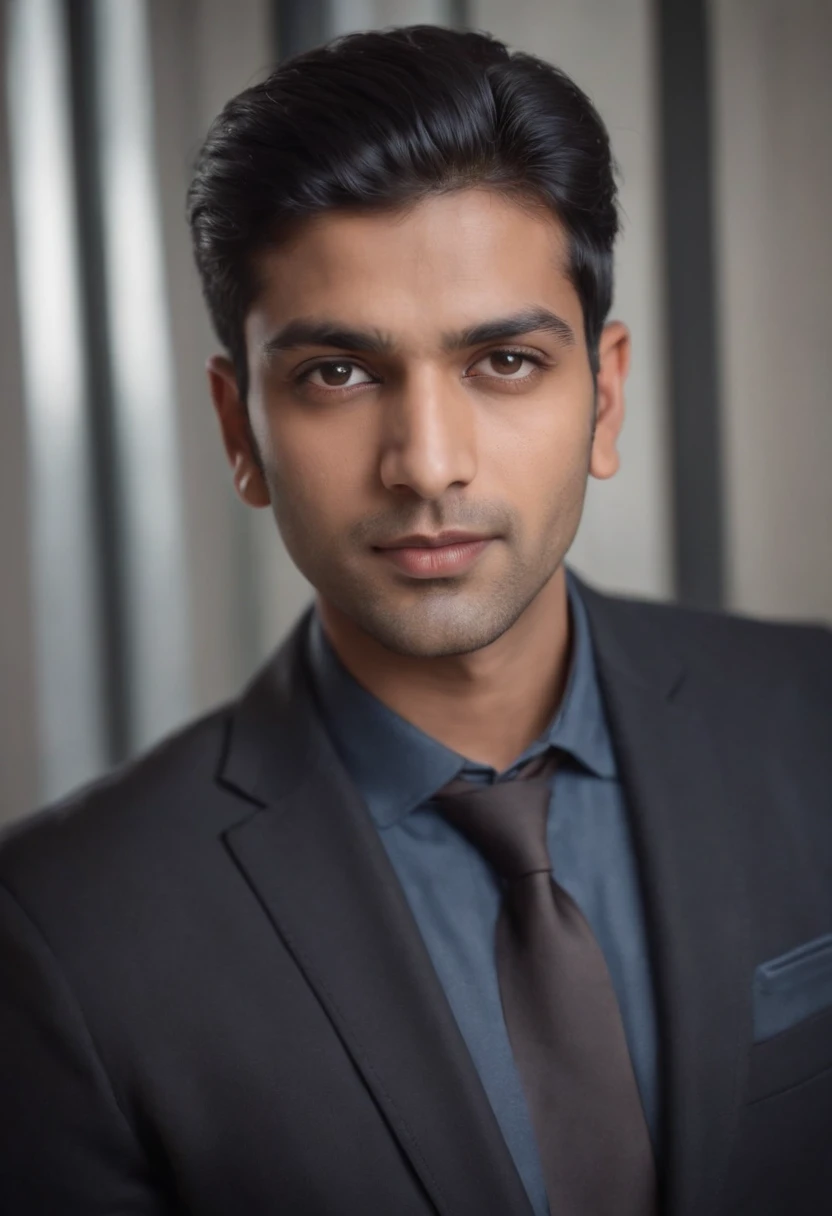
(381, 119)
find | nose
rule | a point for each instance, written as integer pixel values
(428, 436)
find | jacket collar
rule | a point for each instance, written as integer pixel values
(397, 767)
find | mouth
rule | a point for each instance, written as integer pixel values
(442, 555)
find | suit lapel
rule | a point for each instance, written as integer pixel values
(692, 867)
(315, 861)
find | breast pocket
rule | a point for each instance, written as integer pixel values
(792, 988)
(792, 1018)
(782, 1163)
(791, 1058)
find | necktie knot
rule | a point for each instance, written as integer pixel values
(505, 821)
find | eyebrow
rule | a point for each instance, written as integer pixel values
(307, 332)
(302, 332)
(528, 321)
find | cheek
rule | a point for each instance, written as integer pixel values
(540, 452)
(314, 469)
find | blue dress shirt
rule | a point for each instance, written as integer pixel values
(455, 896)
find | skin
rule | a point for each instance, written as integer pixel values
(353, 449)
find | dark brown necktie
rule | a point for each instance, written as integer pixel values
(560, 1008)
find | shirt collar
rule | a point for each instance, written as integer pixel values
(397, 766)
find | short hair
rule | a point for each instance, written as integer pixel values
(381, 119)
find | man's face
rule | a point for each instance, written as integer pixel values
(419, 373)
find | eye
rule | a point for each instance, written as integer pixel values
(506, 365)
(336, 373)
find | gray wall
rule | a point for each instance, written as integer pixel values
(773, 138)
(19, 760)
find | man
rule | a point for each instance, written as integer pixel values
(491, 895)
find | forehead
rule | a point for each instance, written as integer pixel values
(448, 260)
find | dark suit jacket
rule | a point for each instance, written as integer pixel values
(214, 999)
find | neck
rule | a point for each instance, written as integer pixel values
(488, 705)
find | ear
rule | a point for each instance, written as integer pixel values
(232, 414)
(614, 364)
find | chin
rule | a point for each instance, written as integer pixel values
(434, 631)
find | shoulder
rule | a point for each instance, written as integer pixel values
(723, 648)
(124, 819)
(715, 632)
(159, 822)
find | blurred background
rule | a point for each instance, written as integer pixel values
(135, 592)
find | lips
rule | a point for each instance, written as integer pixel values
(443, 555)
(439, 541)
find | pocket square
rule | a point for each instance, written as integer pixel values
(792, 987)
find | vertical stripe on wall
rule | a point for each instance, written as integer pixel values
(61, 508)
(458, 14)
(158, 660)
(299, 25)
(686, 145)
(108, 516)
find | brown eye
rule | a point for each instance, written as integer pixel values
(513, 365)
(506, 362)
(335, 375)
